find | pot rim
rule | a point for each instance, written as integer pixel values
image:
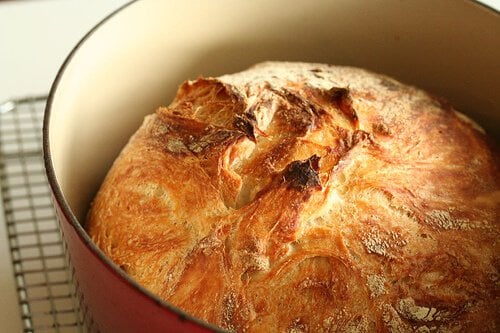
(63, 204)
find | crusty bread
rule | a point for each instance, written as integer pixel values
(298, 197)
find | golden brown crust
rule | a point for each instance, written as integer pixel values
(300, 197)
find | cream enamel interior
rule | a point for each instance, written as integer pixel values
(134, 62)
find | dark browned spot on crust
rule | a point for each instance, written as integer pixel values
(246, 123)
(317, 73)
(342, 99)
(301, 175)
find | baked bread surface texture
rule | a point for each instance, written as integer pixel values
(298, 197)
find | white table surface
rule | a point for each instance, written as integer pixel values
(35, 37)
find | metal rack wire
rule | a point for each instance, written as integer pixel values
(46, 294)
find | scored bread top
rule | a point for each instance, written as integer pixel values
(298, 197)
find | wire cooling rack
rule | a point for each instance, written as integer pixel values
(47, 297)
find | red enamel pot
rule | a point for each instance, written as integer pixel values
(133, 61)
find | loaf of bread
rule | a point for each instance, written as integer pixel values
(296, 197)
